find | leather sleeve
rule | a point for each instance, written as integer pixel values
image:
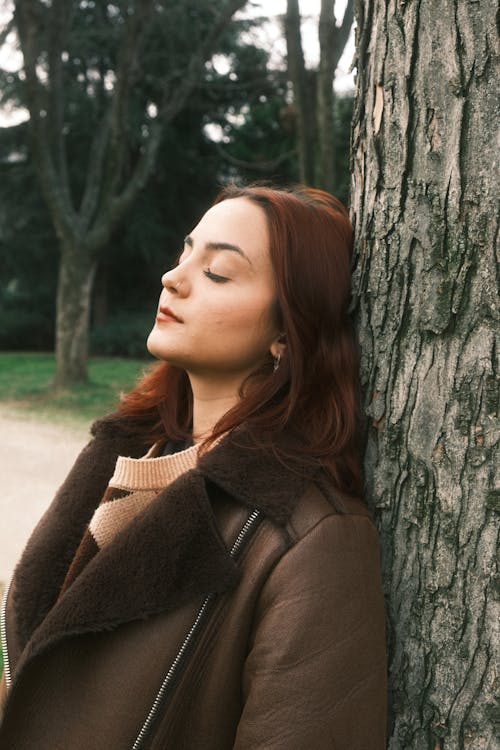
(315, 673)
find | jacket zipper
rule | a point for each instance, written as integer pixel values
(3, 633)
(195, 627)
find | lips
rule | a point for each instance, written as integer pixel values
(165, 314)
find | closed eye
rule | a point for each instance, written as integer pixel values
(215, 277)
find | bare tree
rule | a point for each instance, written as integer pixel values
(313, 91)
(84, 219)
(424, 200)
(302, 94)
(332, 42)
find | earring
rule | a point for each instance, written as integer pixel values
(277, 361)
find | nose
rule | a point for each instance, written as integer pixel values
(175, 282)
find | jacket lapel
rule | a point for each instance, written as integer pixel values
(40, 572)
(169, 554)
(256, 476)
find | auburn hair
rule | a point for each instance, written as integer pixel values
(315, 393)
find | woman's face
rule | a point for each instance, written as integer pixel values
(214, 316)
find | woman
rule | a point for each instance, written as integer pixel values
(208, 575)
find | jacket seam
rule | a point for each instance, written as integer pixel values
(331, 514)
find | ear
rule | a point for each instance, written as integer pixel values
(278, 346)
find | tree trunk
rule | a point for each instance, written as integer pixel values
(74, 293)
(326, 74)
(424, 203)
(100, 304)
(302, 97)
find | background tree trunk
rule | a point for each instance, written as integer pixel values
(313, 93)
(332, 42)
(74, 293)
(424, 201)
(326, 74)
(303, 96)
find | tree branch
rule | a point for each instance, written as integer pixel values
(93, 181)
(111, 212)
(136, 28)
(5, 31)
(109, 145)
(30, 19)
(58, 30)
(258, 166)
(341, 33)
(114, 208)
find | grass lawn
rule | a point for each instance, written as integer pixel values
(25, 385)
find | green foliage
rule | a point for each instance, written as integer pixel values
(28, 250)
(257, 142)
(25, 320)
(259, 147)
(123, 334)
(20, 328)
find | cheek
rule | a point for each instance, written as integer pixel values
(251, 316)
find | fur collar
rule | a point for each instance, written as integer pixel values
(165, 557)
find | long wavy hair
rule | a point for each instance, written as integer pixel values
(315, 394)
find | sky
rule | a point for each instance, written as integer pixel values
(270, 34)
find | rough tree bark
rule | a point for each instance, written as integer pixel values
(424, 201)
(85, 224)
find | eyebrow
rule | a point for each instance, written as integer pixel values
(219, 246)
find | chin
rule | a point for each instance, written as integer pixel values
(153, 346)
(157, 349)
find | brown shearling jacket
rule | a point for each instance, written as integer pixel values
(242, 610)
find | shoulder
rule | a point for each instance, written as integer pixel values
(329, 565)
(321, 503)
(332, 545)
(329, 541)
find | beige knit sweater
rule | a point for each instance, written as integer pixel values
(134, 484)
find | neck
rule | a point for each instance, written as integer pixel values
(210, 402)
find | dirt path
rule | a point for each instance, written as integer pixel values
(34, 459)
